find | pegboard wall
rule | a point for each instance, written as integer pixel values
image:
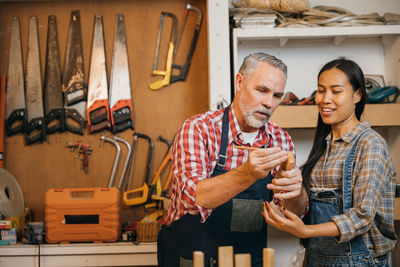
(50, 164)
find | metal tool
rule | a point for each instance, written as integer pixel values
(168, 64)
(2, 118)
(73, 82)
(380, 94)
(98, 114)
(16, 107)
(120, 96)
(117, 157)
(143, 191)
(185, 67)
(35, 128)
(173, 48)
(54, 113)
(156, 183)
(128, 157)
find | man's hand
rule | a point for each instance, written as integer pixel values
(288, 185)
(262, 161)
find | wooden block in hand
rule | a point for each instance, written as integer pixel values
(225, 256)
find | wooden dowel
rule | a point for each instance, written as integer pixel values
(225, 256)
(198, 259)
(242, 260)
(247, 147)
(268, 257)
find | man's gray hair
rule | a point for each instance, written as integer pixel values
(251, 62)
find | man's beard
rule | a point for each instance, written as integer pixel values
(248, 114)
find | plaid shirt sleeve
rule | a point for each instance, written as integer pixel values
(372, 176)
(190, 167)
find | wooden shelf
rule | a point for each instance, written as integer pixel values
(337, 33)
(81, 254)
(307, 116)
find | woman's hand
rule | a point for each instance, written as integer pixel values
(291, 223)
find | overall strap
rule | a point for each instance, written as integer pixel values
(348, 175)
(224, 140)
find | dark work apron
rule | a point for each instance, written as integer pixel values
(238, 223)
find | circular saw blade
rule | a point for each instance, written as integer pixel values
(11, 198)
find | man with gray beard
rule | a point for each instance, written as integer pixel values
(220, 182)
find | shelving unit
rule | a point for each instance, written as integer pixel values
(305, 50)
(80, 254)
(307, 115)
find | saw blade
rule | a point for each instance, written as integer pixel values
(73, 81)
(120, 88)
(97, 104)
(11, 197)
(16, 107)
(35, 129)
(53, 96)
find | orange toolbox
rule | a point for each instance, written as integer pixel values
(82, 215)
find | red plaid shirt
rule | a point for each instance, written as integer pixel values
(195, 155)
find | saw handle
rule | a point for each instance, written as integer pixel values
(16, 122)
(35, 131)
(55, 121)
(78, 123)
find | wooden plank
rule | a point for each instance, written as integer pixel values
(306, 116)
(48, 165)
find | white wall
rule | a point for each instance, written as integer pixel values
(284, 244)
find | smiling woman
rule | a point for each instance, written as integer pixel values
(349, 177)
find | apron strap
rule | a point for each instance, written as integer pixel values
(348, 175)
(224, 140)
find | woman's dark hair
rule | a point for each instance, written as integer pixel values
(356, 78)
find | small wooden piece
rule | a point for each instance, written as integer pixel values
(268, 257)
(242, 260)
(247, 147)
(198, 259)
(225, 256)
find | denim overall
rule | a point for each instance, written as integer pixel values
(326, 251)
(236, 223)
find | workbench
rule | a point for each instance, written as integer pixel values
(80, 254)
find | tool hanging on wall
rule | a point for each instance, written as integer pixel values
(54, 114)
(117, 157)
(35, 128)
(15, 97)
(97, 104)
(173, 48)
(129, 195)
(120, 95)
(73, 82)
(127, 160)
(81, 149)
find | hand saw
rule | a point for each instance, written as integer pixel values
(97, 105)
(172, 49)
(15, 97)
(35, 128)
(73, 81)
(120, 95)
(53, 96)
